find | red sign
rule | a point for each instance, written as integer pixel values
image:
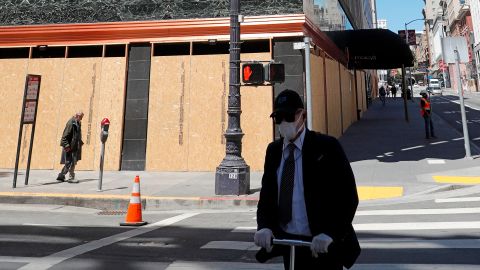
(442, 66)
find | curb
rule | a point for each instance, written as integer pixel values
(120, 202)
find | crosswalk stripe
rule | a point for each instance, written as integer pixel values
(384, 243)
(403, 226)
(410, 226)
(233, 245)
(472, 210)
(464, 199)
(244, 229)
(14, 259)
(396, 243)
(414, 267)
(179, 265)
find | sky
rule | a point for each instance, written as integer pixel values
(399, 12)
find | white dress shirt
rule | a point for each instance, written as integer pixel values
(299, 223)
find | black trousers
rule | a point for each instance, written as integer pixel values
(304, 259)
(428, 126)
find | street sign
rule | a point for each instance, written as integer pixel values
(28, 116)
(412, 38)
(450, 44)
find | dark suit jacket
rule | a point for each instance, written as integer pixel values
(329, 189)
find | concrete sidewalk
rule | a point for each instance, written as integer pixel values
(390, 158)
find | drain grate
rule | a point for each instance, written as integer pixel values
(111, 212)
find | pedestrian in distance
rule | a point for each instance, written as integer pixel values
(426, 112)
(308, 193)
(388, 90)
(71, 143)
(382, 93)
(394, 91)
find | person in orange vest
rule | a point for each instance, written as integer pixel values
(426, 114)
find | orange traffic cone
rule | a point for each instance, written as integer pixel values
(134, 213)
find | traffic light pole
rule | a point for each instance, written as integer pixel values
(232, 176)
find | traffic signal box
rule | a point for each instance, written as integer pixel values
(255, 73)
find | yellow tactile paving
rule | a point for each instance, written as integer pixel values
(378, 192)
(466, 180)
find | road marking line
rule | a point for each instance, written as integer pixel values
(182, 265)
(378, 192)
(244, 229)
(468, 180)
(440, 142)
(440, 211)
(402, 266)
(458, 139)
(233, 245)
(411, 148)
(464, 199)
(13, 259)
(436, 161)
(413, 226)
(56, 258)
(395, 243)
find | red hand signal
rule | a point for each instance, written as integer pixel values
(247, 72)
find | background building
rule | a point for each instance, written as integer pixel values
(460, 25)
(475, 11)
(382, 23)
(160, 73)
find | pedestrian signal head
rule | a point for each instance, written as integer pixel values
(253, 73)
(275, 73)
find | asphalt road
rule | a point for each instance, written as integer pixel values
(425, 235)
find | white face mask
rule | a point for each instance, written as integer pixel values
(289, 129)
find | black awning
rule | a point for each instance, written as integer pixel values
(373, 48)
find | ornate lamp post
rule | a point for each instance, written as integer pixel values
(232, 176)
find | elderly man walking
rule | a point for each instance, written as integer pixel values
(71, 144)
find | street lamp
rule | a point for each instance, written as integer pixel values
(232, 176)
(409, 70)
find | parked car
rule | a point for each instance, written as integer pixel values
(434, 87)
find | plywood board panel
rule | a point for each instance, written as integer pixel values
(12, 83)
(46, 149)
(167, 139)
(81, 88)
(353, 98)
(364, 90)
(110, 103)
(207, 111)
(347, 94)
(318, 93)
(257, 104)
(333, 98)
(360, 93)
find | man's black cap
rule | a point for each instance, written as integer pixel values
(288, 101)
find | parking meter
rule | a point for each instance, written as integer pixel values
(105, 125)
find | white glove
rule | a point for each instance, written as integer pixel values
(263, 238)
(320, 244)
